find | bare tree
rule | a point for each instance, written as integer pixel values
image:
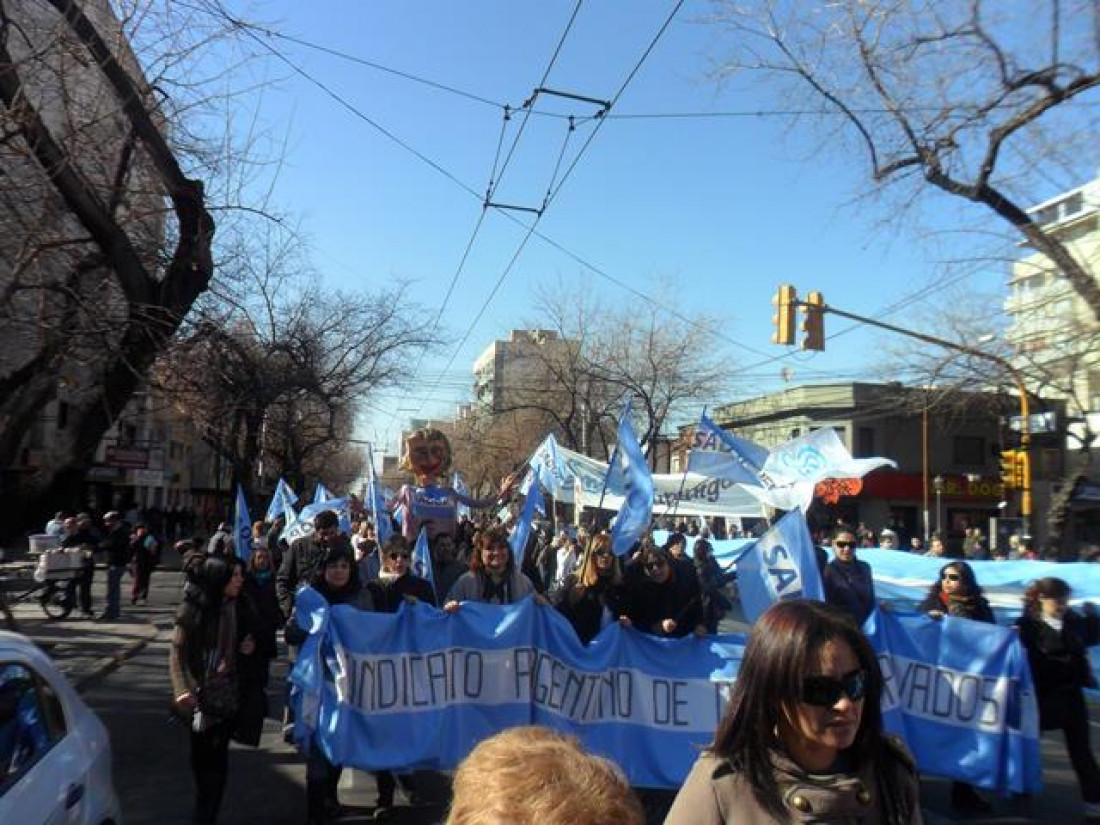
(982, 100)
(106, 229)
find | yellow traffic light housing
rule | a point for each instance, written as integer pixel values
(1011, 469)
(813, 322)
(786, 304)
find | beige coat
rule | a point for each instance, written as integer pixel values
(717, 794)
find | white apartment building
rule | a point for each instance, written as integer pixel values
(1053, 332)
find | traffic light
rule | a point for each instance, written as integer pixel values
(1012, 469)
(813, 322)
(785, 300)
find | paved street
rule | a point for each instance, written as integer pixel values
(122, 670)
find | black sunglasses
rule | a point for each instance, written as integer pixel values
(844, 543)
(952, 577)
(396, 556)
(602, 554)
(825, 691)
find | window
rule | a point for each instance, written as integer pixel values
(865, 442)
(31, 722)
(969, 451)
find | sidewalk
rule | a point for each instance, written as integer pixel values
(84, 650)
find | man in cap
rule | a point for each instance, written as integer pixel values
(116, 546)
(86, 539)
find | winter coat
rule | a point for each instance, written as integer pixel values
(300, 564)
(584, 606)
(850, 587)
(389, 593)
(258, 616)
(966, 607)
(472, 587)
(648, 604)
(1059, 661)
(716, 793)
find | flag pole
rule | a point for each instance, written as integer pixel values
(603, 490)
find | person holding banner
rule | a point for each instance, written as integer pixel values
(337, 580)
(591, 598)
(802, 736)
(663, 596)
(1056, 639)
(957, 593)
(493, 577)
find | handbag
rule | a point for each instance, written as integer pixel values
(219, 696)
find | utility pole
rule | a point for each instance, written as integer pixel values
(817, 307)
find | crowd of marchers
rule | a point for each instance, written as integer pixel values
(802, 735)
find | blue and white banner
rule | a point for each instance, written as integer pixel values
(960, 694)
(631, 470)
(321, 494)
(522, 531)
(303, 524)
(242, 527)
(417, 690)
(780, 565)
(383, 527)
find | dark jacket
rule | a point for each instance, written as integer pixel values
(850, 587)
(300, 564)
(971, 607)
(388, 593)
(1059, 661)
(116, 546)
(648, 603)
(258, 616)
(584, 606)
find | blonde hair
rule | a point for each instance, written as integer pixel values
(537, 776)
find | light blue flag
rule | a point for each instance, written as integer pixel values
(282, 503)
(242, 527)
(321, 494)
(302, 525)
(462, 510)
(631, 471)
(422, 560)
(779, 565)
(383, 527)
(720, 454)
(518, 539)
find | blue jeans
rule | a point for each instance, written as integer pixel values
(114, 590)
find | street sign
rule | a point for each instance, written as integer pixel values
(130, 458)
(1038, 423)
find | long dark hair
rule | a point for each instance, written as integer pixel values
(1050, 587)
(777, 660)
(970, 587)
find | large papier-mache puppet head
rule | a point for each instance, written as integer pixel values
(427, 455)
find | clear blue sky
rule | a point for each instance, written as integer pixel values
(723, 208)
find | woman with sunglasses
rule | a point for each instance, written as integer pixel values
(337, 580)
(847, 581)
(591, 598)
(396, 584)
(493, 577)
(957, 593)
(801, 739)
(1055, 638)
(662, 595)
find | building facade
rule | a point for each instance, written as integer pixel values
(947, 452)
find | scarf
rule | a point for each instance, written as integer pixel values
(498, 590)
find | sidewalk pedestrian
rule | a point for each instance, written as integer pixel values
(116, 546)
(144, 554)
(85, 539)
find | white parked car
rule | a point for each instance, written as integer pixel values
(55, 757)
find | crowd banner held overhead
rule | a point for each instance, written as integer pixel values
(422, 561)
(780, 565)
(565, 472)
(518, 539)
(717, 453)
(420, 688)
(242, 527)
(631, 472)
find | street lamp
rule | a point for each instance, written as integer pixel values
(937, 485)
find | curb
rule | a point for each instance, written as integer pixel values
(108, 664)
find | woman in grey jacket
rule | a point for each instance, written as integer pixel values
(802, 738)
(494, 577)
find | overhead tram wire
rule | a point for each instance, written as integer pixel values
(494, 184)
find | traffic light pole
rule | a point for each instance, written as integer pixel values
(1025, 421)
